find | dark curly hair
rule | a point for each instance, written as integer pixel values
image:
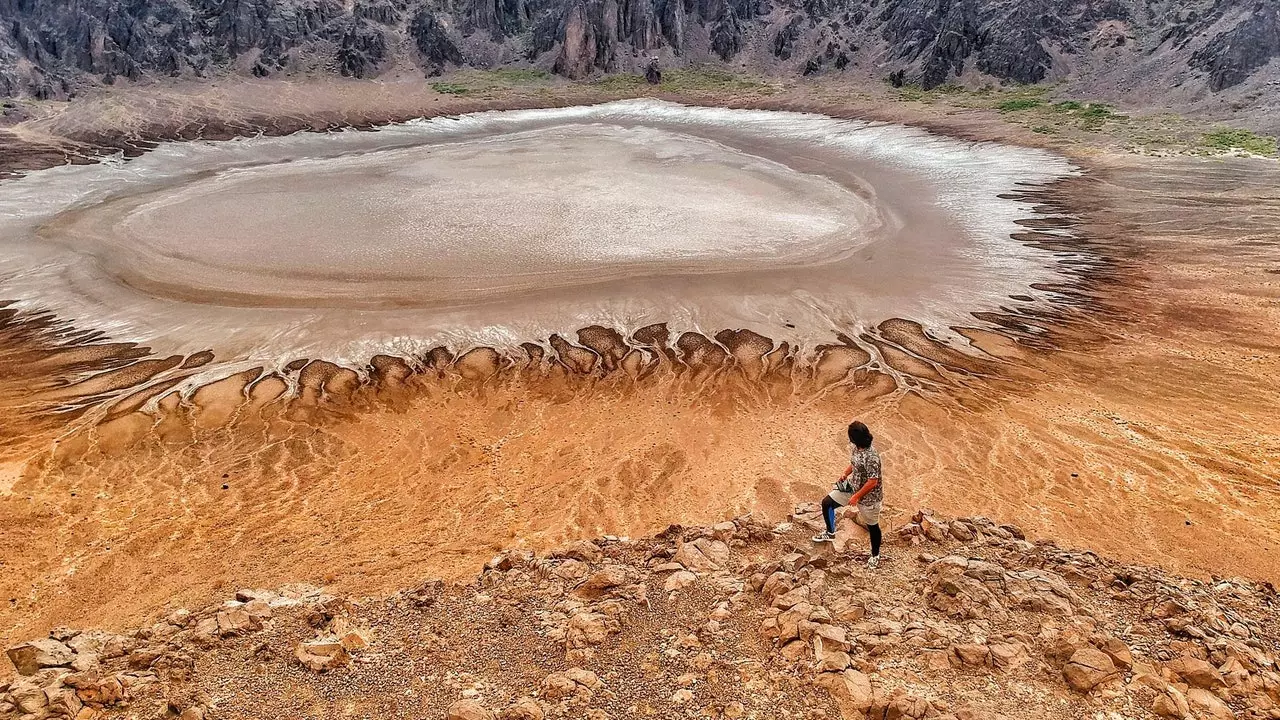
(859, 434)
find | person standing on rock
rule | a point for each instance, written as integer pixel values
(861, 486)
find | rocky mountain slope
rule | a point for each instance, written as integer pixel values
(965, 620)
(1193, 51)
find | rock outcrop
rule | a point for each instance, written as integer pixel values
(965, 620)
(53, 48)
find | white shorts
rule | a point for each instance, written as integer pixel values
(868, 515)
(840, 498)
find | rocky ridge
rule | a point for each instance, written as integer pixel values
(966, 620)
(1185, 50)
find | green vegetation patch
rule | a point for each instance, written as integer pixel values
(1230, 139)
(487, 82)
(1089, 115)
(1019, 104)
(519, 76)
(684, 80)
(449, 88)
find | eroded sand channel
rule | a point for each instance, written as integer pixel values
(1158, 444)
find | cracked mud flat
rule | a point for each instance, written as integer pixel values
(1114, 393)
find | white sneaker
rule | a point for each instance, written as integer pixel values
(873, 562)
(824, 537)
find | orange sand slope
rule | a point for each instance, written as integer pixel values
(1148, 433)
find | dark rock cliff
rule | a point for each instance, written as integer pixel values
(52, 48)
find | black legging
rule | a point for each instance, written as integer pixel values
(829, 517)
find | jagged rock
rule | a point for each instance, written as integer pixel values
(791, 598)
(1117, 650)
(1089, 668)
(105, 645)
(237, 621)
(901, 706)
(523, 709)
(1171, 703)
(322, 655)
(1008, 655)
(558, 686)
(794, 650)
(829, 638)
(837, 661)
(972, 653)
(1208, 705)
(96, 689)
(679, 580)
(29, 657)
(51, 49)
(468, 710)
(724, 531)
(851, 690)
(1196, 672)
(63, 701)
(29, 698)
(702, 555)
(585, 630)
(581, 550)
(601, 581)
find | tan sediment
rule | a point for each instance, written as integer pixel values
(1152, 381)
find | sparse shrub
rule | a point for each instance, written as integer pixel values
(1226, 139)
(520, 75)
(1019, 104)
(447, 88)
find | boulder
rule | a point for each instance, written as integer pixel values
(1008, 655)
(468, 710)
(1208, 705)
(702, 555)
(723, 531)
(601, 581)
(679, 580)
(523, 709)
(1089, 668)
(1196, 672)
(30, 657)
(585, 630)
(830, 638)
(581, 550)
(972, 653)
(1118, 651)
(571, 570)
(322, 655)
(96, 689)
(851, 690)
(106, 646)
(29, 698)
(791, 598)
(237, 621)
(837, 661)
(63, 701)
(1171, 704)
(558, 686)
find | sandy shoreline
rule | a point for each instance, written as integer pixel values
(1149, 433)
